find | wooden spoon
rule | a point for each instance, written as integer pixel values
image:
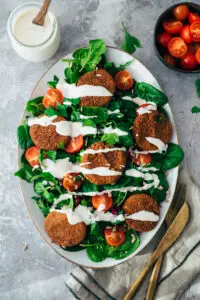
(40, 17)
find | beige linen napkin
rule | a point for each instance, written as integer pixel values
(180, 267)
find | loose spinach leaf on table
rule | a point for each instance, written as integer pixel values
(195, 110)
(130, 43)
(197, 84)
(150, 93)
(35, 106)
(173, 157)
(23, 136)
(53, 83)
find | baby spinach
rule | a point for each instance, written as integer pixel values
(126, 140)
(197, 84)
(51, 154)
(72, 73)
(110, 138)
(52, 84)
(100, 113)
(150, 93)
(60, 110)
(130, 43)
(195, 110)
(35, 106)
(118, 197)
(88, 58)
(23, 136)
(89, 122)
(42, 204)
(26, 173)
(173, 157)
(112, 69)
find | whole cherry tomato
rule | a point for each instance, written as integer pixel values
(181, 12)
(164, 38)
(188, 62)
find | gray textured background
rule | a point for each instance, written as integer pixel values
(38, 272)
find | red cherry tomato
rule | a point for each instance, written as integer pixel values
(75, 144)
(123, 80)
(195, 31)
(104, 199)
(185, 34)
(193, 17)
(177, 47)
(142, 159)
(164, 38)
(114, 236)
(172, 27)
(188, 62)
(197, 55)
(52, 97)
(32, 155)
(170, 60)
(181, 12)
(72, 182)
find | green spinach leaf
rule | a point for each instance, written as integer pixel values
(23, 137)
(130, 43)
(197, 84)
(150, 93)
(110, 138)
(60, 110)
(52, 84)
(195, 109)
(173, 157)
(35, 106)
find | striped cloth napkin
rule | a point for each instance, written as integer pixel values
(180, 267)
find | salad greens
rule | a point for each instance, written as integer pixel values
(130, 43)
(118, 114)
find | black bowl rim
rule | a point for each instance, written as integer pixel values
(155, 29)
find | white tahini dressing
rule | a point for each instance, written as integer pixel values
(28, 33)
(147, 109)
(62, 166)
(162, 147)
(112, 112)
(139, 101)
(147, 169)
(65, 128)
(92, 151)
(145, 176)
(72, 91)
(84, 214)
(143, 215)
(117, 131)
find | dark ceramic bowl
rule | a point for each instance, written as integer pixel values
(167, 15)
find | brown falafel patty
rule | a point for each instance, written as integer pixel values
(62, 232)
(98, 78)
(139, 202)
(154, 125)
(114, 160)
(46, 137)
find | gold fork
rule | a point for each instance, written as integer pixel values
(176, 204)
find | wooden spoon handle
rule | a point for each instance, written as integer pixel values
(153, 279)
(39, 18)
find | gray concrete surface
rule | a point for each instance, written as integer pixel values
(38, 272)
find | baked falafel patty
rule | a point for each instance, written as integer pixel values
(154, 125)
(141, 202)
(62, 232)
(114, 160)
(46, 137)
(98, 78)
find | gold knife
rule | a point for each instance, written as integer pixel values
(169, 238)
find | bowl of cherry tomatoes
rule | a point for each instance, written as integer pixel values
(177, 37)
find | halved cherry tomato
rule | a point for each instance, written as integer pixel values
(177, 47)
(114, 236)
(164, 38)
(72, 182)
(197, 55)
(185, 34)
(193, 17)
(104, 200)
(188, 62)
(75, 144)
(172, 27)
(181, 12)
(52, 97)
(123, 80)
(195, 31)
(142, 159)
(32, 155)
(170, 60)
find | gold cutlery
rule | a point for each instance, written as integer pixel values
(169, 238)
